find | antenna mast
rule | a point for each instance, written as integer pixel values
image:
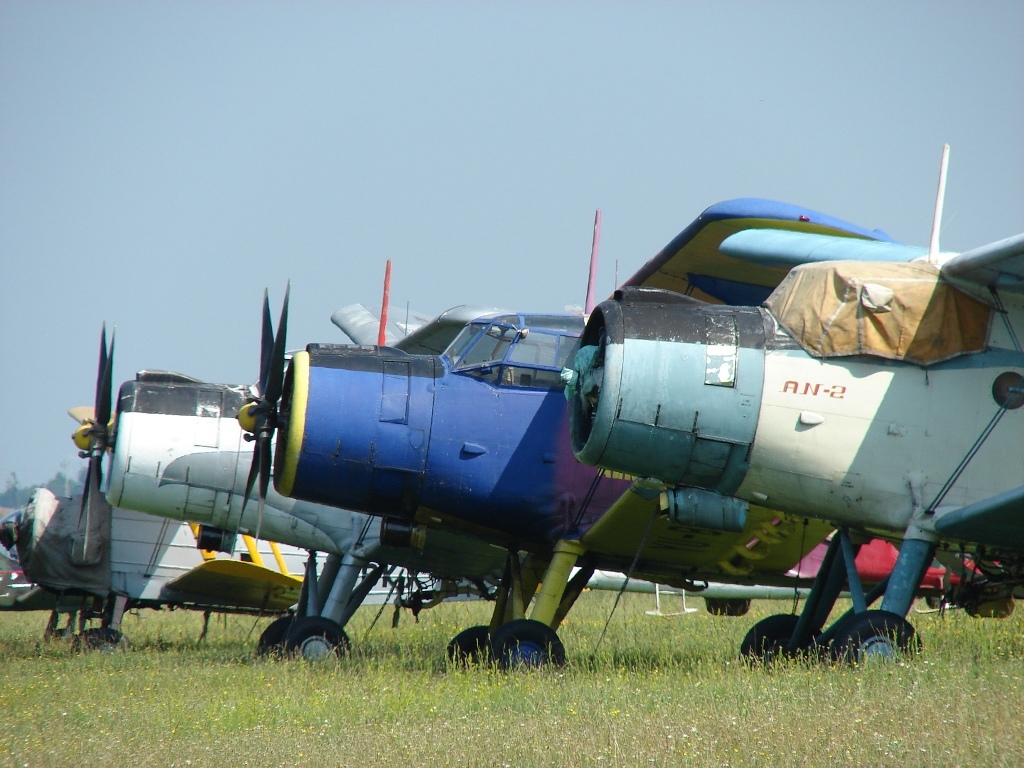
(940, 199)
(381, 336)
(588, 307)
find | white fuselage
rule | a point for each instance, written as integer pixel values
(866, 442)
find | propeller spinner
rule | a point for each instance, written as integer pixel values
(259, 418)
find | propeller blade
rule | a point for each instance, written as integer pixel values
(83, 552)
(83, 414)
(264, 480)
(266, 344)
(102, 368)
(254, 469)
(104, 395)
(275, 381)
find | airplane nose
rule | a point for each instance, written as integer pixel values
(354, 427)
(670, 388)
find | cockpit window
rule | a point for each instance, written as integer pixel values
(458, 347)
(526, 351)
(535, 349)
(490, 346)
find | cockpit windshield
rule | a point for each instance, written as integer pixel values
(517, 350)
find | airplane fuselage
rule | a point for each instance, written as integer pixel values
(726, 399)
(478, 443)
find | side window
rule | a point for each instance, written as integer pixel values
(536, 360)
(535, 349)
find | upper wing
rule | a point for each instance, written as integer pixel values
(997, 265)
(695, 265)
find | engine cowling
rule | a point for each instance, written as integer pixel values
(355, 427)
(670, 388)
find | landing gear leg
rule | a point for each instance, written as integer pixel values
(533, 642)
(886, 634)
(861, 632)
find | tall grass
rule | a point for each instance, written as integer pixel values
(657, 691)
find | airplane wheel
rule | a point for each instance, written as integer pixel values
(314, 638)
(271, 642)
(874, 635)
(101, 639)
(470, 646)
(767, 639)
(525, 643)
(726, 606)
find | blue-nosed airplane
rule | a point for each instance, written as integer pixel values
(871, 385)
(177, 451)
(475, 440)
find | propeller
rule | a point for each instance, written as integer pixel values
(259, 417)
(93, 438)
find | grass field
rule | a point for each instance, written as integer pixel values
(656, 692)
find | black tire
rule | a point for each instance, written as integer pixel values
(101, 639)
(470, 646)
(727, 606)
(873, 635)
(314, 638)
(271, 642)
(768, 639)
(526, 644)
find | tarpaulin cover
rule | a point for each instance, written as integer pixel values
(902, 311)
(46, 537)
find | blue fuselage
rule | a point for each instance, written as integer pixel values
(474, 438)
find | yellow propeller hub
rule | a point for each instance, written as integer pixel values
(80, 437)
(247, 417)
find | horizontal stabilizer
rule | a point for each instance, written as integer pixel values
(781, 248)
(235, 582)
(997, 521)
(997, 265)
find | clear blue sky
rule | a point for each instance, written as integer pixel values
(161, 163)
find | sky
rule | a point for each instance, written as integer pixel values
(162, 163)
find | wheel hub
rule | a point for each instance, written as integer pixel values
(316, 648)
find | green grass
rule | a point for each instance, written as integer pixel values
(658, 691)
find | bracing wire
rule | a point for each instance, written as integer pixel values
(629, 574)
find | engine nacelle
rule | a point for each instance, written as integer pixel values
(694, 374)
(355, 427)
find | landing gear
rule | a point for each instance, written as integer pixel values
(102, 639)
(767, 640)
(470, 646)
(326, 603)
(271, 642)
(526, 644)
(513, 641)
(727, 606)
(859, 634)
(874, 635)
(315, 638)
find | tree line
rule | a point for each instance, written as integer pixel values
(15, 495)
